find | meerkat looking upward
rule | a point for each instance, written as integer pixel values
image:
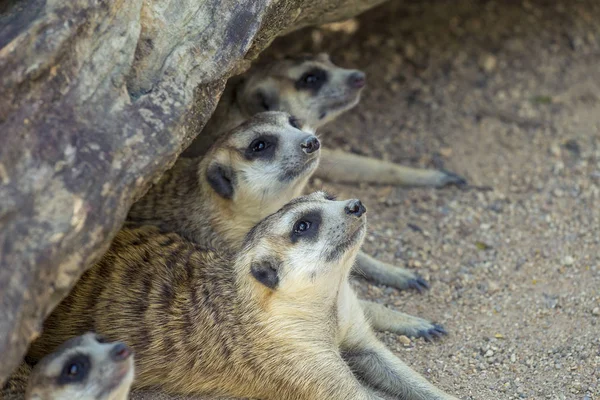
(251, 172)
(316, 91)
(276, 321)
(248, 174)
(85, 367)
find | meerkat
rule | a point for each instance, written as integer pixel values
(316, 91)
(250, 172)
(85, 367)
(278, 320)
(195, 200)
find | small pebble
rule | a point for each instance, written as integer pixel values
(488, 63)
(404, 340)
(568, 261)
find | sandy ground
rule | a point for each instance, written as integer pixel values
(505, 93)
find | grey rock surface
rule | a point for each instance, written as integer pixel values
(98, 99)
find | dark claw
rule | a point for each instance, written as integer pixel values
(434, 333)
(453, 179)
(419, 284)
(440, 329)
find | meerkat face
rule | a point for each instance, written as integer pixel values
(311, 88)
(311, 238)
(264, 160)
(84, 367)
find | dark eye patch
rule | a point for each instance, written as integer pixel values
(313, 79)
(75, 369)
(306, 227)
(262, 147)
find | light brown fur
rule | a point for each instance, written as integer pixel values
(277, 321)
(184, 202)
(273, 86)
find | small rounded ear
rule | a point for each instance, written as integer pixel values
(221, 179)
(266, 272)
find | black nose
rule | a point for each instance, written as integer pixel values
(120, 352)
(310, 144)
(355, 207)
(357, 80)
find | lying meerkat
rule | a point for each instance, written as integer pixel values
(279, 320)
(250, 173)
(85, 367)
(316, 91)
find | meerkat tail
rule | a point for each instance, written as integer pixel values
(387, 274)
(342, 167)
(382, 318)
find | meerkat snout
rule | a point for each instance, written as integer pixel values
(310, 144)
(120, 352)
(357, 80)
(355, 208)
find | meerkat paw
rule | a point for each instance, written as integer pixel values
(386, 319)
(448, 178)
(436, 331)
(389, 275)
(418, 328)
(416, 282)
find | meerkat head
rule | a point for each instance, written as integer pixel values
(309, 243)
(311, 88)
(259, 166)
(84, 367)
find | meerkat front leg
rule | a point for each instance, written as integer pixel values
(387, 274)
(382, 319)
(378, 367)
(342, 167)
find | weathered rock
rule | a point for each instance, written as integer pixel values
(98, 99)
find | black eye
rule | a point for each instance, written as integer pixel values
(306, 227)
(294, 122)
(258, 145)
(301, 226)
(312, 79)
(263, 147)
(75, 369)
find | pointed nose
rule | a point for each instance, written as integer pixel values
(357, 80)
(310, 144)
(355, 208)
(120, 352)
